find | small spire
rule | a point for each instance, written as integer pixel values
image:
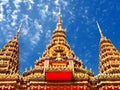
(59, 24)
(101, 34)
(59, 11)
(18, 32)
(19, 29)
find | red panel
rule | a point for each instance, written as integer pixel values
(116, 88)
(61, 88)
(48, 88)
(104, 88)
(109, 89)
(55, 89)
(82, 88)
(35, 89)
(12, 88)
(59, 76)
(59, 63)
(41, 88)
(74, 88)
(5, 89)
(68, 88)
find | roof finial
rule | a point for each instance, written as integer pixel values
(59, 25)
(19, 29)
(101, 34)
(59, 11)
(18, 32)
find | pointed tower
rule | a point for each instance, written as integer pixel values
(109, 56)
(59, 34)
(59, 48)
(9, 56)
(59, 63)
(58, 53)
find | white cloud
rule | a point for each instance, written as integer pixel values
(29, 3)
(38, 26)
(48, 34)
(60, 3)
(46, 8)
(13, 23)
(1, 17)
(36, 37)
(14, 17)
(56, 2)
(65, 3)
(26, 18)
(24, 31)
(44, 12)
(54, 13)
(16, 3)
(3, 2)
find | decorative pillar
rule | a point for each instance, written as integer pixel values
(46, 64)
(71, 65)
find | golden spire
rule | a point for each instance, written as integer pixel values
(59, 24)
(101, 34)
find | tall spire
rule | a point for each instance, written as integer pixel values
(101, 34)
(59, 24)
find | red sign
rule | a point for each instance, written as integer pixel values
(58, 76)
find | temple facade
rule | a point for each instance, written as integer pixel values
(58, 68)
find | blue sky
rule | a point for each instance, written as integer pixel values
(79, 20)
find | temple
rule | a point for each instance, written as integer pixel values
(58, 68)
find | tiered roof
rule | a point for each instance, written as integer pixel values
(109, 70)
(9, 56)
